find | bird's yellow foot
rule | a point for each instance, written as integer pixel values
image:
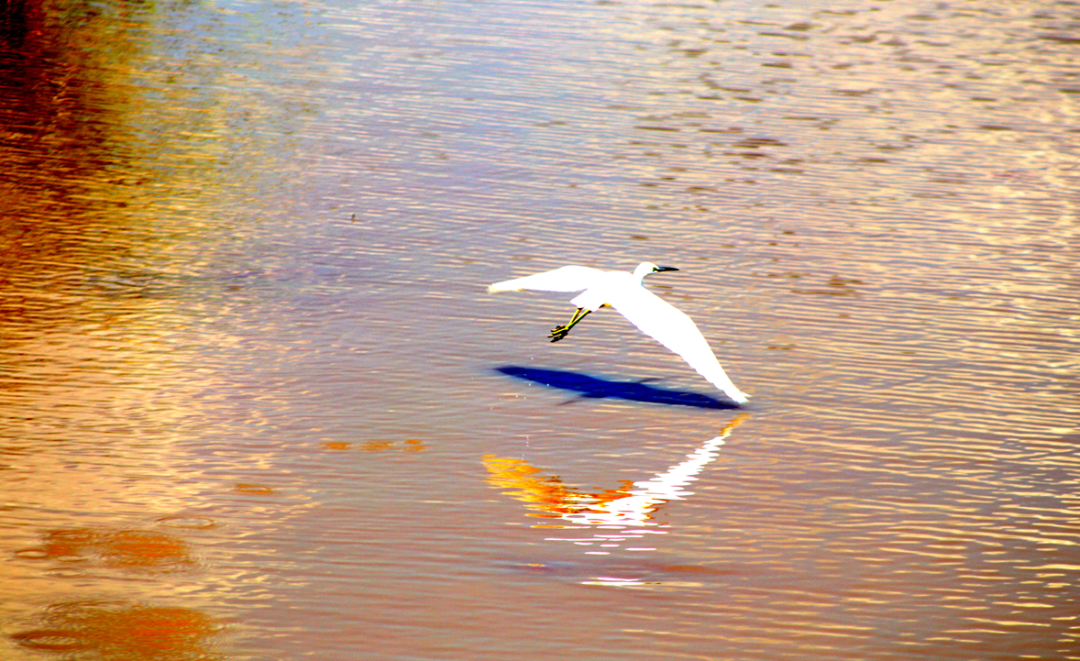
(558, 333)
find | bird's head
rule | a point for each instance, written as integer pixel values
(648, 268)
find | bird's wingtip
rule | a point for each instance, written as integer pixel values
(737, 396)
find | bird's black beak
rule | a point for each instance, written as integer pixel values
(666, 268)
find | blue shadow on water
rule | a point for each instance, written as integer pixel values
(591, 387)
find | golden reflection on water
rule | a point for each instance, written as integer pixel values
(610, 518)
(93, 335)
(118, 174)
(96, 348)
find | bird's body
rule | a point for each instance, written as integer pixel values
(626, 293)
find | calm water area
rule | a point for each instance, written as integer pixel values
(256, 403)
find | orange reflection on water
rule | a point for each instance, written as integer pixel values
(411, 445)
(115, 631)
(377, 446)
(545, 493)
(626, 511)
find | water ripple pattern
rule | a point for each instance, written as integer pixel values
(255, 399)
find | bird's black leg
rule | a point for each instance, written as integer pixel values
(559, 332)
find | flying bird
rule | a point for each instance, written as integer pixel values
(627, 294)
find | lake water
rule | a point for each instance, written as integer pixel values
(256, 403)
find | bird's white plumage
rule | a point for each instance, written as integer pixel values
(651, 314)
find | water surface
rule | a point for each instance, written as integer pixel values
(255, 402)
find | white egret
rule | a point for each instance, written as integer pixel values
(627, 294)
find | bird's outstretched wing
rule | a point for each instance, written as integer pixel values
(672, 328)
(567, 278)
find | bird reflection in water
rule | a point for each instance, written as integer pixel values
(610, 518)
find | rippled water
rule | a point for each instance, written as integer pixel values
(255, 402)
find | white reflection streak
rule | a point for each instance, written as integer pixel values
(644, 497)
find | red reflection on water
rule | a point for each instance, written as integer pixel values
(127, 549)
(114, 631)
